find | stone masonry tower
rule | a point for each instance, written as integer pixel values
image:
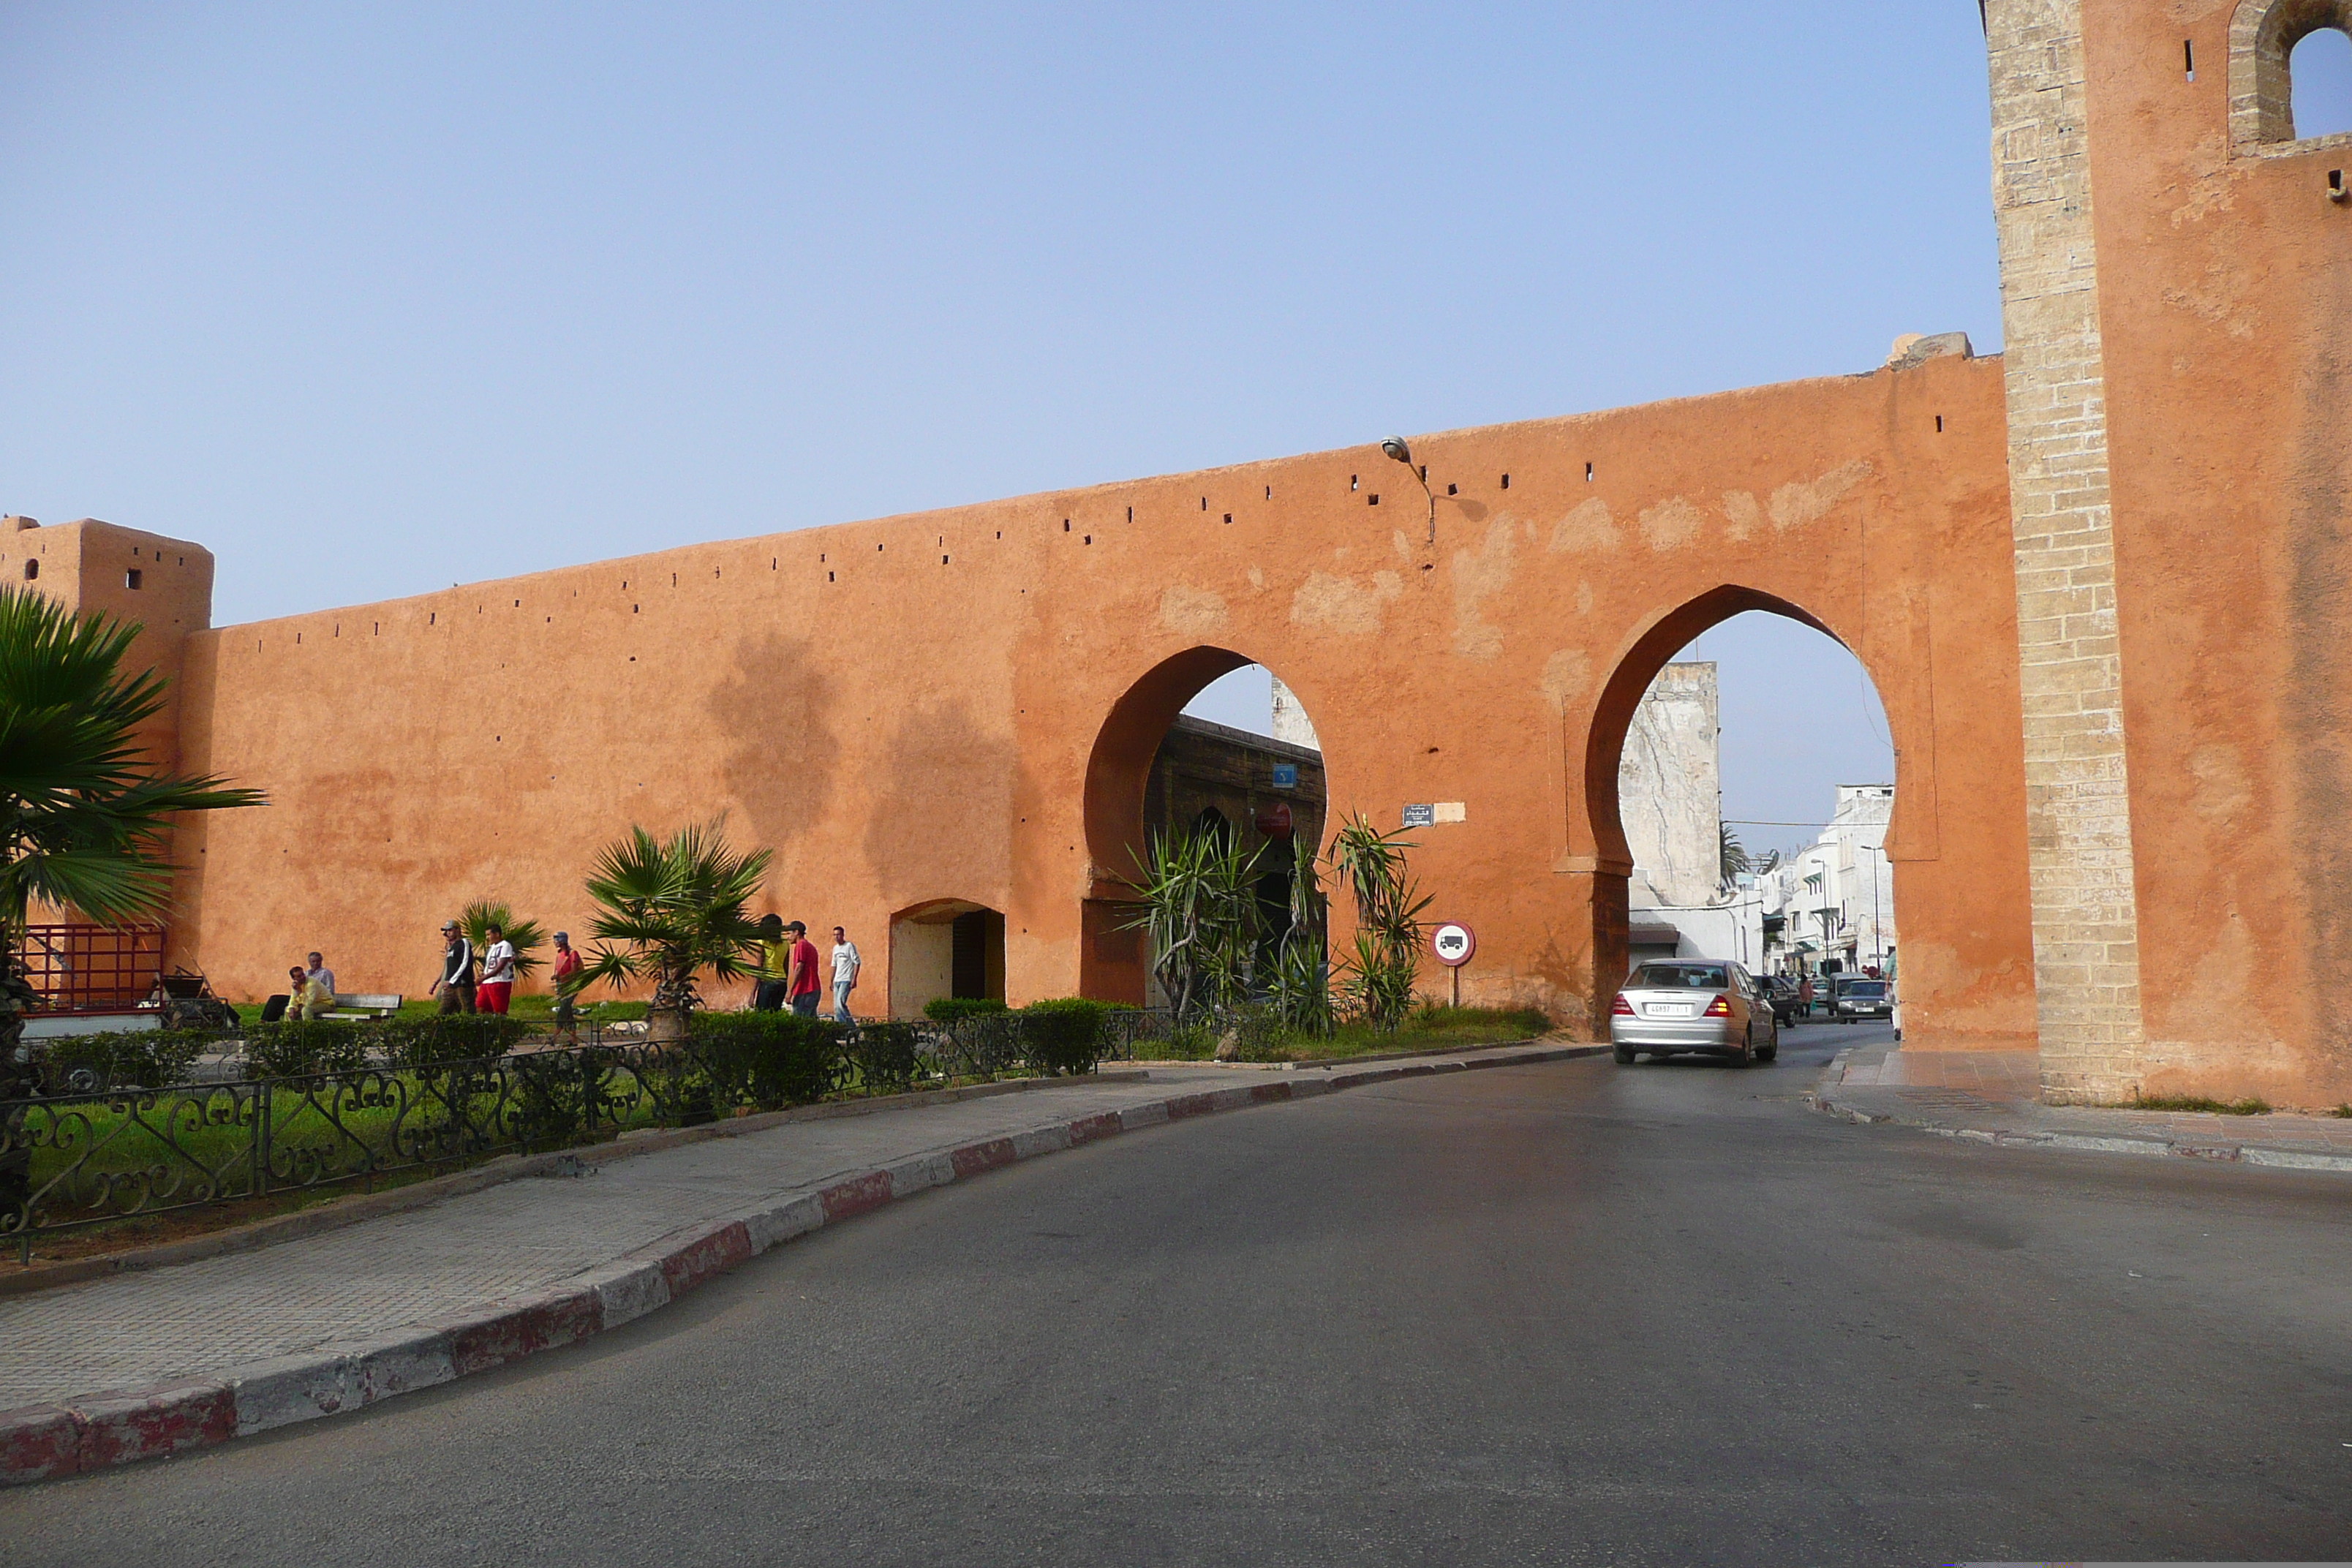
(2177, 297)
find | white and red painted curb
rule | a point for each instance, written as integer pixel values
(1826, 1096)
(97, 1431)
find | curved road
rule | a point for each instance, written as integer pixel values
(1571, 1313)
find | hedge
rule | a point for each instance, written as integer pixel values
(142, 1058)
(955, 1009)
(1064, 1034)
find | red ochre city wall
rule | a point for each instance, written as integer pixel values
(915, 709)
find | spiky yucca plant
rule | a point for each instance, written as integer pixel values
(1386, 953)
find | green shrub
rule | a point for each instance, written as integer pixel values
(438, 1039)
(148, 1058)
(955, 1009)
(1063, 1034)
(299, 1047)
(888, 1057)
(771, 1059)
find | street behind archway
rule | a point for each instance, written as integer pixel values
(1565, 1313)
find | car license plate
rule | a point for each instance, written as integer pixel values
(1672, 1010)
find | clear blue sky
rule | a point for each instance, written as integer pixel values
(370, 299)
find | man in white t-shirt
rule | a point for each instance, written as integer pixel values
(492, 993)
(844, 974)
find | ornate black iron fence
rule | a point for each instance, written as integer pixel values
(91, 1152)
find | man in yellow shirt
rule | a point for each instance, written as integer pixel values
(775, 965)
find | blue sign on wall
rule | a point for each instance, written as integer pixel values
(1285, 775)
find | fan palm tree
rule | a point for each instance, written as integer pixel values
(670, 909)
(84, 823)
(525, 935)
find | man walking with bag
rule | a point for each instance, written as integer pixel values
(454, 986)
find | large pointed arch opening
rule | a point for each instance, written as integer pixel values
(1153, 768)
(1826, 906)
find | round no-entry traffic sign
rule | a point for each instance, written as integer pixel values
(1454, 943)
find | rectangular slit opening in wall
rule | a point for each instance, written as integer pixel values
(1204, 503)
(2188, 57)
(1229, 517)
(1587, 473)
(2334, 185)
(132, 579)
(1372, 499)
(1507, 478)
(1269, 492)
(1939, 424)
(1450, 489)
(1130, 517)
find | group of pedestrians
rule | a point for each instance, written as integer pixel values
(484, 983)
(789, 975)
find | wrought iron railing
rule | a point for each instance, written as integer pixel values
(88, 1152)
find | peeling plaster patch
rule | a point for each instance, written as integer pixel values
(1566, 674)
(1794, 506)
(1191, 612)
(1340, 605)
(2218, 304)
(1589, 526)
(1257, 579)
(1403, 545)
(1670, 524)
(2222, 790)
(1479, 576)
(1584, 597)
(1743, 515)
(2212, 182)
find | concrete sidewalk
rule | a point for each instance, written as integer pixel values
(238, 1343)
(1992, 1097)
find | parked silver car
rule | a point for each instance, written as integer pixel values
(1693, 1004)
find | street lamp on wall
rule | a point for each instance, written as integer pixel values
(1395, 447)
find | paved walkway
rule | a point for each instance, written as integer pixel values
(134, 1331)
(1992, 1097)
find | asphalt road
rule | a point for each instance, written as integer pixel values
(1571, 1313)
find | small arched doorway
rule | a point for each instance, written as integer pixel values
(946, 947)
(1256, 783)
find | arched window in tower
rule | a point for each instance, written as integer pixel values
(2319, 75)
(2290, 71)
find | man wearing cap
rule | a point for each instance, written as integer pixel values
(565, 976)
(455, 984)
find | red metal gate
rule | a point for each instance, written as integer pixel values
(91, 968)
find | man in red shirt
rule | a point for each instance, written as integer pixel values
(567, 985)
(802, 983)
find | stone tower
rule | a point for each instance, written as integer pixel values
(2175, 284)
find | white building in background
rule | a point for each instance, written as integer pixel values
(1836, 895)
(1670, 801)
(1290, 721)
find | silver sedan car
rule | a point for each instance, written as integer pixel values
(1693, 1004)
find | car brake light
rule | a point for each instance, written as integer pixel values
(1720, 1008)
(1621, 1006)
